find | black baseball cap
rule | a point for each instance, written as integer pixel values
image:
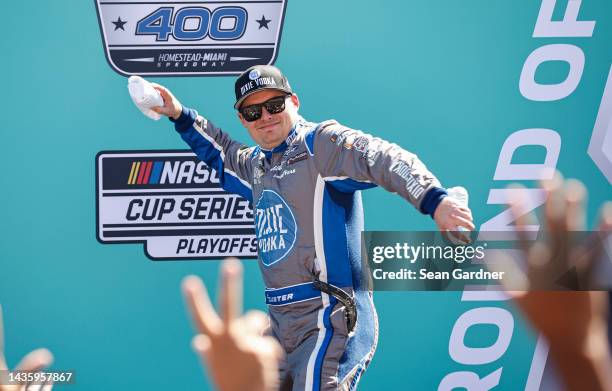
(257, 78)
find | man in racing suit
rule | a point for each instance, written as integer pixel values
(303, 181)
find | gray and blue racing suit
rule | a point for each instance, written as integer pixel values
(308, 213)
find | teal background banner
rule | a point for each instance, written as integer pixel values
(440, 78)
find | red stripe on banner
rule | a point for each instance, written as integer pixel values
(148, 173)
(143, 168)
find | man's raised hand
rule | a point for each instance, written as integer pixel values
(172, 107)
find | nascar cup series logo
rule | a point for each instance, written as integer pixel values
(172, 203)
(157, 38)
(275, 228)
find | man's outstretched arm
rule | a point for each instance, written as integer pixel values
(229, 158)
(343, 153)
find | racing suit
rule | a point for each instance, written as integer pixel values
(308, 223)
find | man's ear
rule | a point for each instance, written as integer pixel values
(242, 121)
(295, 100)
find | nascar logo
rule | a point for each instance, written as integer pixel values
(173, 203)
(189, 38)
(141, 173)
(169, 172)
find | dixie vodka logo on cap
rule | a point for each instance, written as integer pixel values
(275, 228)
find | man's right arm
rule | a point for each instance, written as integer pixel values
(231, 159)
(347, 153)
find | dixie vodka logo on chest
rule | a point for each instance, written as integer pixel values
(275, 228)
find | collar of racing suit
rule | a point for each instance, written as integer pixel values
(285, 144)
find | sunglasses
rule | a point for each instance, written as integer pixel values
(273, 106)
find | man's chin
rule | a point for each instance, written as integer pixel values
(270, 142)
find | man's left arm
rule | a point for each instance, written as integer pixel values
(351, 160)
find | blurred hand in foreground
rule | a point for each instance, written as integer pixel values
(34, 361)
(232, 347)
(573, 322)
